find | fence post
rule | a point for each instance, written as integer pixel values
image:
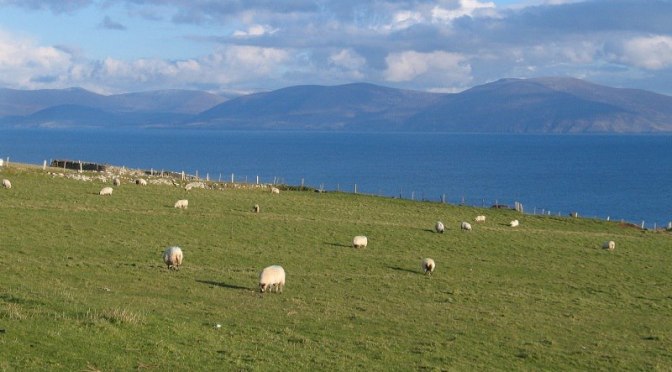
(257, 179)
(231, 177)
(44, 165)
(355, 188)
(642, 225)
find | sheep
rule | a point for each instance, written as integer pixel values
(480, 218)
(116, 182)
(359, 241)
(466, 226)
(141, 182)
(183, 204)
(106, 191)
(275, 190)
(514, 223)
(610, 245)
(173, 257)
(256, 208)
(439, 228)
(272, 277)
(6, 184)
(428, 266)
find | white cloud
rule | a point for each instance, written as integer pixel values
(22, 62)
(254, 31)
(465, 8)
(650, 52)
(439, 66)
(348, 59)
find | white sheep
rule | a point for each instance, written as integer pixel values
(141, 182)
(173, 257)
(272, 277)
(610, 245)
(6, 184)
(256, 208)
(360, 241)
(428, 265)
(275, 190)
(514, 223)
(439, 228)
(106, 191)
(480, 218)
(116, 182)
(466, 226)
(183, 204)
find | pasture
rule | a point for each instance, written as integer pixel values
(83, 285)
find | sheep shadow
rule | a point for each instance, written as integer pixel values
(404, 269)
(338, 245)
(224, 285)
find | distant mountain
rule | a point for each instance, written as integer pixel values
(25, 102)
(350, 107)
(539, 105)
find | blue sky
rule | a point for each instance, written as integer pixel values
(246, 46)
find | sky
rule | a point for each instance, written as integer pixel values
(245, 46)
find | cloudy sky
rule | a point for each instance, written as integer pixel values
(252, 45)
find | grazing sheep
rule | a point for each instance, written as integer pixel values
(183, 204)
(514, 223)
(256, 208)
(141, 182)
(610, 245)
(360, 241)
(116, 182)
(275, 190)
(466, 226)
(428, 265)
(106, 191)
(6, 184)
(272, 277)
(439, 228)
(480, 218)
(173, 256)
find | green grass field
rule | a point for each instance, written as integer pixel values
(83, 286)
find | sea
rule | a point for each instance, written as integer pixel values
(616, 177)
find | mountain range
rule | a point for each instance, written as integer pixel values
(537, 105)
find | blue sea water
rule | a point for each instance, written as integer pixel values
(621, 177)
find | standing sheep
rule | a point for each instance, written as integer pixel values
(610, 245)
(439, 228)
(272, 277)
(480, 218)
(428, 265)
(360, 241)
(514, 223)
(183, 204)
(106, 191)
(6, 184)
(275, 190)
(141, 182)
(466, 226)
(116, 182)
(173, 256)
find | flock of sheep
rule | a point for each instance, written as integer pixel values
(273, 277)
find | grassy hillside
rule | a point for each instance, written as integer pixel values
(83, 286)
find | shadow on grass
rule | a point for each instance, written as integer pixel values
(339, 245)
(403, 269)
(224, 285)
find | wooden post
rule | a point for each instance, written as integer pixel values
(257, 179)
(443, 198)
(232, 178)
(642, 225)
(355, 188)
(44, 165)
(207, 176)
(182, 175)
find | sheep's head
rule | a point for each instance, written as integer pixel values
(263, 287)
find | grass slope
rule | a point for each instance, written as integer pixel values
(83, 286)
